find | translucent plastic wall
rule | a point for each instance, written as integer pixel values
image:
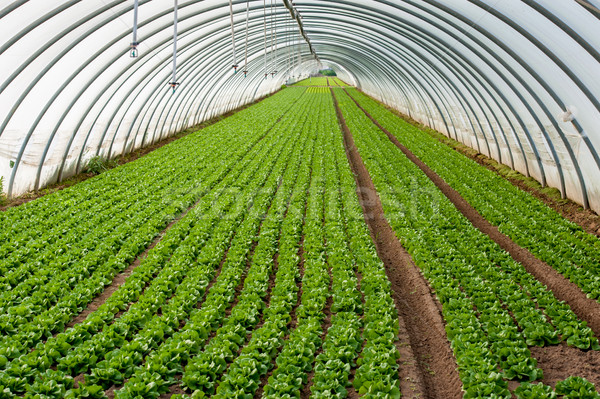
(69, 89)
(515, 79)
(518, 80)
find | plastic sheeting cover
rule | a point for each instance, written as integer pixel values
(515, 79)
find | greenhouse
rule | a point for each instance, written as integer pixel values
(300, 199)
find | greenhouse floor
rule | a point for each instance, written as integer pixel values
(327, 248)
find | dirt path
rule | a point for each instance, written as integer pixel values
(120, 278)
(585, 308)
(428, 368)
(587, 219)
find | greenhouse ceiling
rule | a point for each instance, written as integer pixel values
(517, 80)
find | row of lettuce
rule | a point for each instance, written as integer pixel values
(282, 360)
(494, 310)
(236, 290)
(526, 220)
(200, 170)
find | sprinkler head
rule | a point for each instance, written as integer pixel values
(133, 51)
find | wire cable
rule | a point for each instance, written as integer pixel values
(235, 64)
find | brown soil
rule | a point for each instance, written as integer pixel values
(123, 159)
(292, 324)
(305, 392)
(587, 219)
(174, 389)
(585, 308)
(120, 278)
(429, 369)
(580, 363)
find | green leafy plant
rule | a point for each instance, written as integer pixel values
(576, 388)
(2, 195)
(97, 165)
(535, 391)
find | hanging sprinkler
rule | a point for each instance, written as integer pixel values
(246, 44)
(174, 85)
(133, 51)
(235, 63)
(265, 34)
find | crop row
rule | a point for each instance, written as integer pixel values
(190, 273)
(337, 82)
(336, 238)
(315, 81)
(493, 308)
(24, 368)
(60, 287)
(525, 219)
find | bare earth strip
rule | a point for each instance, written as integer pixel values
(558, 362)
(585, 308)
(428, 368)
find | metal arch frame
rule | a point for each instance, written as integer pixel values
(372, 80)
(374, 73)
(215, 84)
(157, 90)
(589, 8)
(515, 91)
(532, 144)
(478, 48)
(56, 39)
(79, 70)
(35, 24)
(381, 68)
(483, 98)
(556, 157)
(10, 8)
(183, 65)
(473, 70)
(533, 74)
(457, 92)
(541, 103)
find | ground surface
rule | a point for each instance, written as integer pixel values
(289, 260)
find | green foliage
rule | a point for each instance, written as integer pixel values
(260, 193)
(97, 165)
(2, 195)
(327, 72)
(535, 391)
(474, 279)
(577, 388)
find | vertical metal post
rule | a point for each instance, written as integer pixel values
(246, 45)
(133, 51)
(265, 33)
(174, 82)
(235, 64)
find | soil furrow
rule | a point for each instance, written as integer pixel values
(585, 308)
(120, 278)
(587, 219)
(428, 366)
(305, 392)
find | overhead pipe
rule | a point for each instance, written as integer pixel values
(296, 15)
